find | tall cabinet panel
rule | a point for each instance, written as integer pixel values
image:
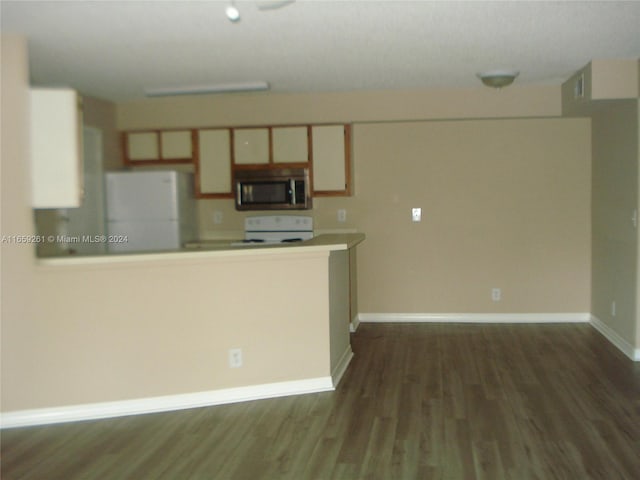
(56, 148)
(331, 162)
(213, 169)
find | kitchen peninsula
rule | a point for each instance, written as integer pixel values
(162, 327)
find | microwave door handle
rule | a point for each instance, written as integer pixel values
(239, 193)
(292, 184)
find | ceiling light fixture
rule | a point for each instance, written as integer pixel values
(498, 78)
(232, 12)
(204, 89)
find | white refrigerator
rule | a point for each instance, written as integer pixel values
(151, 210)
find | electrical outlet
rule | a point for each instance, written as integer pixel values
(235, 358)
(496, 294)
(416, 214)
(217, 217)
(342, 215)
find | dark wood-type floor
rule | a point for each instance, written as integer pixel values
(418, 401)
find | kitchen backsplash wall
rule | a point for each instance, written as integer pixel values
(219, 218)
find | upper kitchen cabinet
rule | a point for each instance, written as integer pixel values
(290, 144)
(250, 146)
(331, 147)
(213, 164)
(56, 148)
(160, 147)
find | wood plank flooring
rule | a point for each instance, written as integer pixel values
(419, 401)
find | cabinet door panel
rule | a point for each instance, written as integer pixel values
(214, 169)
(176, 145)
(251, 146)
(329, 171)
(56, 148)
(290, 145)
(142, 146)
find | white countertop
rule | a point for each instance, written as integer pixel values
(214, 248)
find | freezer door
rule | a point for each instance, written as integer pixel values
(141, 236)
(142, 196)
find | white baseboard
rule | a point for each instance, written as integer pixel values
(611, 335)
(95, 411)
(355, 323)
(624, 346)
(474, 317)
(341, 367)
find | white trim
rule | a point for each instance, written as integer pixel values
(613, 337)
(474, 317)
(94, 411)
(355, 323)
(341, 367)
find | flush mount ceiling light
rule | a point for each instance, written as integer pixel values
(204, 89)
(232, 12)
(498, 78)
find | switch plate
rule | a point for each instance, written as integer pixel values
(342, 215)
(235, 358)
(496, 294)
(217, 217)
(416, 214)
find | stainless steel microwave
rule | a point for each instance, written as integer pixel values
(272, 189)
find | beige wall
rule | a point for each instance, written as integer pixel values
(614, 78)
(609, 79)
(81, 334)
(615, 197)
(102, 115)
(366, 106)
(120, 332)
(612, 88)
(506, 201)
(505, 204)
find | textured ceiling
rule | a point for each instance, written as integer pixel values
(116, 49)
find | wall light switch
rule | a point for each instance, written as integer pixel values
(416, 214)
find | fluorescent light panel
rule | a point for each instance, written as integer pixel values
(204, 89)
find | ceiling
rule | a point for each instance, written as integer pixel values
(116, 49)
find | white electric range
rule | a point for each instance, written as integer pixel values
(274, 229)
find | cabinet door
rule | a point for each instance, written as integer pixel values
(290, 144)
(176, 145)
(56, 148)
(330, 160)
(142, 146)
(214, 162)
(251, 146)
